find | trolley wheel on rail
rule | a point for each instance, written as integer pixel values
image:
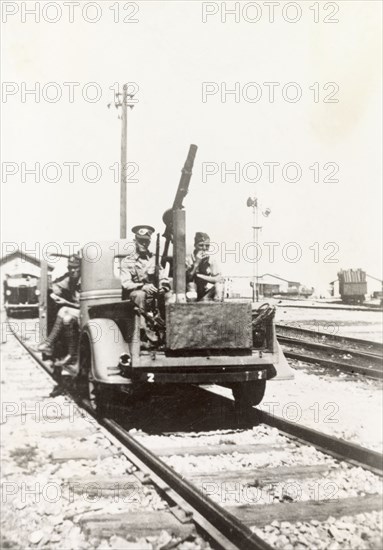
(249, 394)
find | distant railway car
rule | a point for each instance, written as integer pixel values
(352, 286)
(21, 293)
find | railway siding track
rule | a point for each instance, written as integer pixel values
(243, 525)
(326, 337)
(347, 355)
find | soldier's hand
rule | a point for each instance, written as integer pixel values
(57, 299)
(149, 289)
(201, 255)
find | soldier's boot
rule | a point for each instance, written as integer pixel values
(47, 346)
(59, 388)
(69, 363)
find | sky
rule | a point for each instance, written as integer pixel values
(328, 118)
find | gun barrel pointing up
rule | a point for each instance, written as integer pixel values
(182, 190)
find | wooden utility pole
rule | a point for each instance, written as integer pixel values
(43, 302)
(124, 134)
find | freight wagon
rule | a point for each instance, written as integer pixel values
(352, 286)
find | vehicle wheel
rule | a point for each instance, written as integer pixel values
(88, 388)
(249, 394)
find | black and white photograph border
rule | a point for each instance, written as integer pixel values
(191, 273)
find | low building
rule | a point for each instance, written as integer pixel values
(268, 285)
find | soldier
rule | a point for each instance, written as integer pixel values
(66, 293)
(138, 278)
(202, 273)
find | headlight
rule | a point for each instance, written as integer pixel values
(125, 364)
(37, 292)
(125, 360)
(8, 292)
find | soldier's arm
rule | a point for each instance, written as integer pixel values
(191, 268)
(164, 280)
(60, 293)
(211, 278)
(63, 302)
(57, 289)
(215, 275)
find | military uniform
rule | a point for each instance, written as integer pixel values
(206, 276)
(138, 269)
(67, 288)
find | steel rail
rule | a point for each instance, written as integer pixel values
(352, 369)
(223, 521)
(338, 448)
(232, 528)
(335, 338)
(31, 352)
(329, 348)
(336, 308)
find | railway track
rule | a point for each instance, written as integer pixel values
(198, 491)
(328, 338)
(350, 355)
(376, 308)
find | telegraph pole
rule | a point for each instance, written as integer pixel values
(124, 135)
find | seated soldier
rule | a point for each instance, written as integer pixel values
(138, 278)
(203, 277)
(66, 293)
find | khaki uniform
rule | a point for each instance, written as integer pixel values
(137, 270)
(69, 290)
(205, 290)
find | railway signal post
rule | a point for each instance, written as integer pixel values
(124, 134)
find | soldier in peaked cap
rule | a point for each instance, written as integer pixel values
(203, 274)
(138, 277)
(143, 231)
(66, 293)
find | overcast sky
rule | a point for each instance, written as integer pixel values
(169, 53)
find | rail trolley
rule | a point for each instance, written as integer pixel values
(224, 343)
(21, 294)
